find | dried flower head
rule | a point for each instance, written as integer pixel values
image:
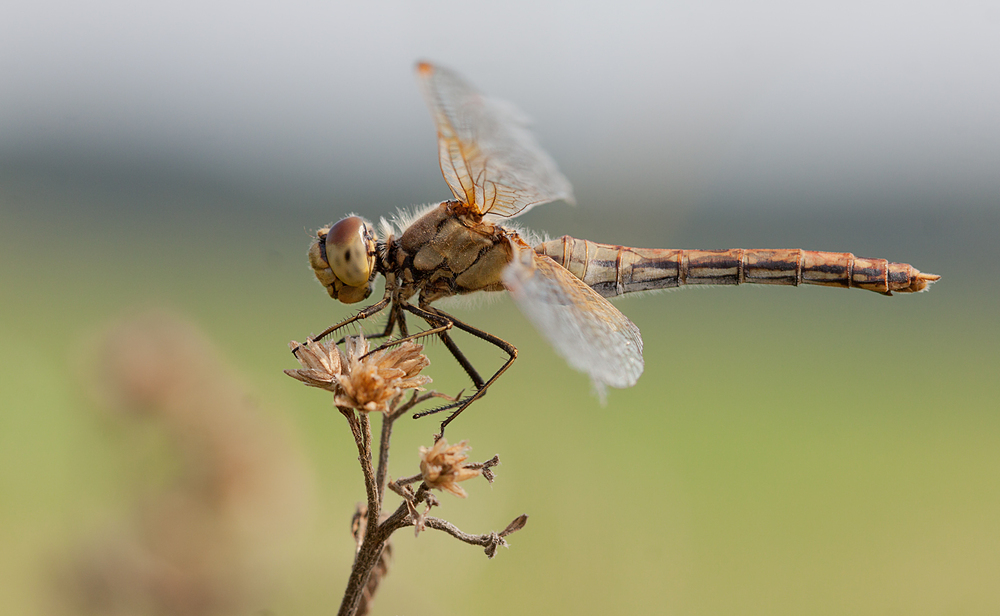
(322, 364)
(442, 466)
(372, 382)
(362, 381)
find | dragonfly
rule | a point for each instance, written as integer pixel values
(496, 170)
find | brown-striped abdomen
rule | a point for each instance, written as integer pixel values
(614, 270)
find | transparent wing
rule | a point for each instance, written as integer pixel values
(590, 333)
(489, 158)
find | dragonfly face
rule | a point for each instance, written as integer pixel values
(344, 259)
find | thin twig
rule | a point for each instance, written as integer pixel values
(361, 429)
(383, 456)
(486, 467)
(451, 529)
(408, 480)
(352, 421)
(374, 500)
(489, 541)
(369, 553)
(387, 422)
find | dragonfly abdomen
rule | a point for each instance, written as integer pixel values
(615, 270)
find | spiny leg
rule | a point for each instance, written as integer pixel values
(445, 326)
(437, 318)
(395, 317)
(462, 359)
(432, 315)
(400, 319)
(411, 338)
(362, 314)
(501, 344)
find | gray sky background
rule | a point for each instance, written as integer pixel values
(775, 103)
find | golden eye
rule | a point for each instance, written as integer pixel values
(347, 251)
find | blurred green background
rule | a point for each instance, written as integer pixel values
(787, 450)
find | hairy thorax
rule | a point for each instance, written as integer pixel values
(449, 251)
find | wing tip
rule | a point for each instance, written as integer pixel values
(424, 68)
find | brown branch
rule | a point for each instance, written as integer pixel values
(361, 429)
(387, 422)
(400, 518)
(490, 541)
(366, 560)
(379, 571)
(369, 556)
(371, 488)
(486, 467)
(369, 382)
(408, 480)
(352, 421)
(383, 455)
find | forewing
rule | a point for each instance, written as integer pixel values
(488, 156)
(583, 327)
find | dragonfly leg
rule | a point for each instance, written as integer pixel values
(428, 332)
(434, 316)
(363, 314)
(400, 319)
(395, 317)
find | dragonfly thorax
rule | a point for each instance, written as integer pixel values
(447, 251)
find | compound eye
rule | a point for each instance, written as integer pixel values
(347, 245)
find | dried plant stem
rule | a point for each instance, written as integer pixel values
(370, 547)
(368, 556)
(366, 382)
(373, 540)
(361, 429)
(375, 536)
(387, 421)
(454, 531)
(383, 455)
(371, 488)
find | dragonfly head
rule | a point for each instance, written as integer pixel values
(343, 259)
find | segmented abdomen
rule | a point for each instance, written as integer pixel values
(614, 270)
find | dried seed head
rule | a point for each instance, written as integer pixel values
(322, 364)
(374, 382)
(366, 382)
(442, 466)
